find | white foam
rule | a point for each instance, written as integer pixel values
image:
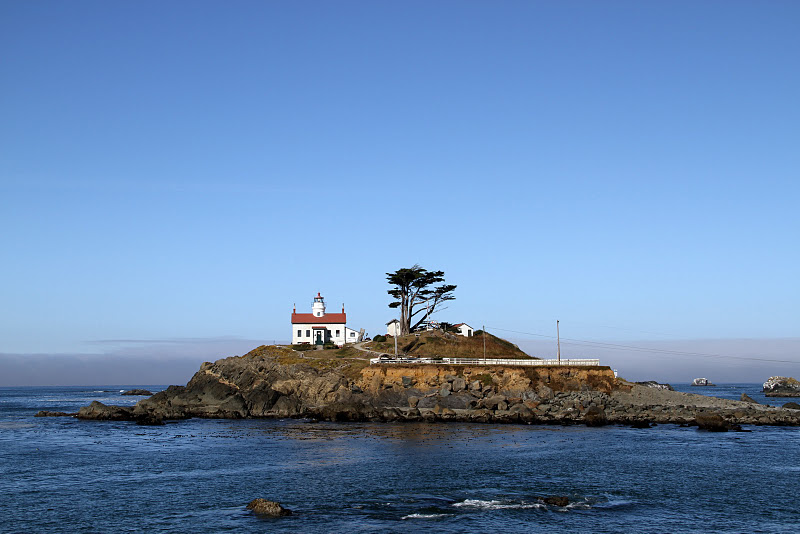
(424, 516)
(495, 505)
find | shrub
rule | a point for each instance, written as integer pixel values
(379, 338)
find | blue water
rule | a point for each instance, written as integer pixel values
(65, 475)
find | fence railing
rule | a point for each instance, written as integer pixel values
(572, 362)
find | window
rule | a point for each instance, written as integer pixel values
(308, 333)
(338, 333)
(299, 333)
(352, 334)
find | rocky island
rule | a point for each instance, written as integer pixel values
(782, 386)
(341, 385)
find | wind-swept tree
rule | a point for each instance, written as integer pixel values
(415, 293)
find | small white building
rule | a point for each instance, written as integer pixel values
(319, 327)
(393, 328)
(464, 329)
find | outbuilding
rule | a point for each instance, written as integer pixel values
(464, 329)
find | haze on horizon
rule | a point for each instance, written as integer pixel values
(173, 178)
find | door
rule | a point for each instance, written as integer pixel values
(319, 338)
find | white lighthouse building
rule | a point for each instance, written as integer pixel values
(319, 327)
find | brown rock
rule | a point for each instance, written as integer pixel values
(268, 508)
(711, 422)
(556, 500)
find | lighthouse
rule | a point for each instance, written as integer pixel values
(320, 328)
(318, 308)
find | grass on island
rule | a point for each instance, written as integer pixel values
(436, 344)
(346, 360)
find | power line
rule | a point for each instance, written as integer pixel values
(601, 344)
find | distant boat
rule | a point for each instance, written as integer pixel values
(702, 382)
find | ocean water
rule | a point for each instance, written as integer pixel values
(65, 475)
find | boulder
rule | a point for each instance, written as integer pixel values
(413, 401)
(459, 384)
(142, 392)
(268, 508)
(407, 381)
(791, 406)
(711, 422)
(595, 416)
(781, 386)
(45, 413)
(475, 385)
(492, 402)
(747, 398)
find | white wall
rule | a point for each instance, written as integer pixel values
(343, 337)
(465, 330)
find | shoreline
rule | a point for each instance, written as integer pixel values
(268, 382)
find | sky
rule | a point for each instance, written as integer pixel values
(174, 177)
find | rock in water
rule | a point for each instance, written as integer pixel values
(45, 413)
(268, 508)
(556, 500)
(142, 392)
(792, 406)
(711, 422)
(747, 398)
(781, 386)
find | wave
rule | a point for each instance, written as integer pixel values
(496, 505)
(424, 516)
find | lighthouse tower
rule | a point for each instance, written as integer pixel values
(318, 308)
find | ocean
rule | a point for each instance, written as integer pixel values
(65, 475)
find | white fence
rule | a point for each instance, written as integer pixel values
(480, 361)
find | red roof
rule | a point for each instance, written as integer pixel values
(328, 318)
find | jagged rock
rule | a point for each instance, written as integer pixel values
(142, 392)
(268, 508)
(413, 401)
(747, 398)
(45, 413)
(782, 386)
(791, 406)
(475, 385)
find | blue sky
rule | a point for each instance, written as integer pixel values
(189, 170)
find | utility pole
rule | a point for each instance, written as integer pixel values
(558, 337)
(484, 341)
(395, 344)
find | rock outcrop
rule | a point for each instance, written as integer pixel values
(268, 383)
(781, 386)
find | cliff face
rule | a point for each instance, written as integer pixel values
(510, 381)
(269, 383)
